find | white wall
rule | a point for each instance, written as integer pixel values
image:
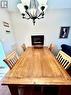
(59, 4)
(6, 38)
(49, 26)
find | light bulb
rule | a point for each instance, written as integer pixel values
(33, 12)
(39, 7)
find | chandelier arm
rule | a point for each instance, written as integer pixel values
(28, 14)
(26, 18)
(40, 14)
(30, 9)
(40, 17)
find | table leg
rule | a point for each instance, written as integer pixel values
(13, 89)
(65, 90)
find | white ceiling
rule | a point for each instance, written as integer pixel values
(52, 4)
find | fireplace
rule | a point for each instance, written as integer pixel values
(37, 40)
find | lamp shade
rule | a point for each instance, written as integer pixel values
(21, 8)
(25, 2)
(39, 7)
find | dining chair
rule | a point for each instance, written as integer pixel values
(50, 47)
(11, 59)
(23, 47)
(53, 48)
(18, 49)
(64, 59)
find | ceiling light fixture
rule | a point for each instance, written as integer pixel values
(32, 9)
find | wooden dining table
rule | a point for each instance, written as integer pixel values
(36, 66)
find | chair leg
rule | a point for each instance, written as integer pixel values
(42, 90)
(21, 91)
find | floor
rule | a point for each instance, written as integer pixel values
(3, 89)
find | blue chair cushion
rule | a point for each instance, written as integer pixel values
(66, 49)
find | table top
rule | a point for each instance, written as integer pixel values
(37, 66)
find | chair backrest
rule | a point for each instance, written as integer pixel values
(11, 59)
(23, 47)
(53, 48)
(64, 59)
(50, 47)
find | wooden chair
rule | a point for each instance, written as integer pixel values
(50, 47)
(23, 47)
(64, 59)
(53, 48)
(11, 59)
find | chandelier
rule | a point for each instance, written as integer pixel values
(32, 9)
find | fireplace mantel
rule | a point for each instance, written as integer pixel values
(37, 40)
